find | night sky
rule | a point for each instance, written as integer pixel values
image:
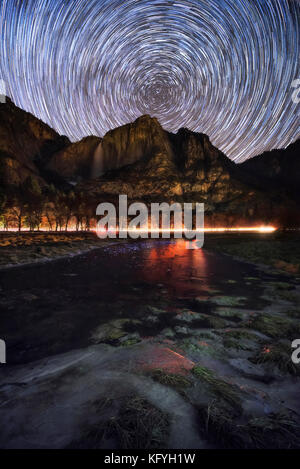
(220, 67)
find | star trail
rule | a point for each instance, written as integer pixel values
(221, 67)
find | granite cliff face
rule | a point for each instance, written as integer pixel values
(174, 164)
(186, 167)
(77, 160)
(93, 156)
(127, 144)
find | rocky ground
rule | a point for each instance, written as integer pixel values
(149, 345)
(26, 248)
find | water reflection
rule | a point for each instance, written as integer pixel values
(186, 270)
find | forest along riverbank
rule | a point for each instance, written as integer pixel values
(134, 342)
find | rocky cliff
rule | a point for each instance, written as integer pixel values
(146, 162)
(186, 167)
(79, 160)
(122, 146)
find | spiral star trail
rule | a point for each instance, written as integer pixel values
(221, 67)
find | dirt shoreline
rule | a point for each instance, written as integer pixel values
(29, 249)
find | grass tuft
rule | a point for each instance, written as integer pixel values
(176, 381)
(217, 386)
(137, 425)
(275, 431)
(279, 355)
(275, 326)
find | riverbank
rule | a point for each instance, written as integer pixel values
(279, 251)
(29, 248)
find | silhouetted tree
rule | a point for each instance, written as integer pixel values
(34, 202)
(2, 186)
(49, 212)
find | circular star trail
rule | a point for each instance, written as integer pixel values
(221, 67)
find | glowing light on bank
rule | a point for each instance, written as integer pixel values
(255, 229)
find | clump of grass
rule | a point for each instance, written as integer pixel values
(206, 335)
(281, 285)
(115, 335)
(279, 355)
(218, 426)
(275, 326)
(102, 404)
(129, 342)
(176, 381)
(275, 431)
(229, 300)
(201, 347)
(217, 386)
(229, 342)
(230, 313)
(286, 295)
(295, 313)
(240, 334)
(138, 425)
(238, 339)
(212, 322)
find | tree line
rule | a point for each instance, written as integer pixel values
(33, 206)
